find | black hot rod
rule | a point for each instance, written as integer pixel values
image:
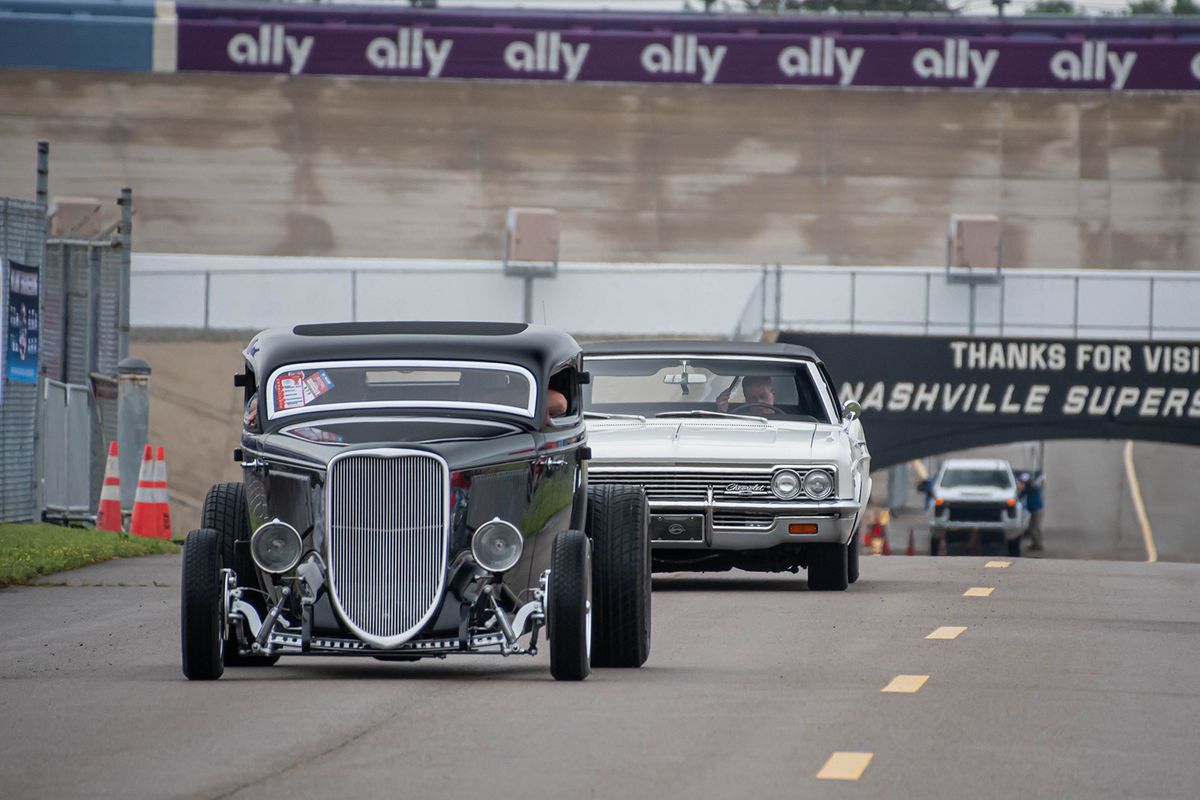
(415, 490)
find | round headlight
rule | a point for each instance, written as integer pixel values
(497, 545)
(276, 547)
(785, 484)
(818, 484)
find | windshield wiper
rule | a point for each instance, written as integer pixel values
(599, 415)
(703, 413)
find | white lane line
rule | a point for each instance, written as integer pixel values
(845, 766)
(1139, 507)
(946, 632)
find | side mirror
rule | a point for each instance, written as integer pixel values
(851, 410)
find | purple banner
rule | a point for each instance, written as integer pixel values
(332, 44)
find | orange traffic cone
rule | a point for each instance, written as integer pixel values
(163, 508)
(145, 521)
(108, 516)
(912, 544)
(877, 540)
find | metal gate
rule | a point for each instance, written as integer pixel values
(66, 450)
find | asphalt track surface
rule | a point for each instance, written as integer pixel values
(1071, 679)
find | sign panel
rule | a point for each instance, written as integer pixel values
(23, 325)
(927, 395)
(675, 50)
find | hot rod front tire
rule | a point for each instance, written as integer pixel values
(201, 626)
(616, 523)
(225, 512)
(569, 616)
(827, 567)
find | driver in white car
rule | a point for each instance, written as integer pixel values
(758, 391)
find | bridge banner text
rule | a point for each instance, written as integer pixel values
(681, 49)
(927, 395)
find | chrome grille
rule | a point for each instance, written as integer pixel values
(388, 531)
(689, 484)
(744, 520)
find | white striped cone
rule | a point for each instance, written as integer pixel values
(145, 521)
(108, 516)
(162, 494)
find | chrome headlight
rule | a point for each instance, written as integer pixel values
(818, 484)
(785, 484)
(497, 545)
(276, 547)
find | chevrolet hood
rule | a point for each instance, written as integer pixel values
(707, 440)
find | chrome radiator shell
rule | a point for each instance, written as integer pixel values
(387, 526)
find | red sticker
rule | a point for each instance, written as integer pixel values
(289, 391)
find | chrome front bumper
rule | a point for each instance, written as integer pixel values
(835, 520)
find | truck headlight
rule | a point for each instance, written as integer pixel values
(785, 484)
(497, 545)
(818, 484)
(276, 547)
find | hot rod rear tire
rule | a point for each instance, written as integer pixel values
(617, 520)
(827, 567)
(569, 622)
(225, 512)
(201, 626)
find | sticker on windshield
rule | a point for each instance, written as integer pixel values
(289, 391)
(316, 385)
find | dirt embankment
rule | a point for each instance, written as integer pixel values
(195, 413)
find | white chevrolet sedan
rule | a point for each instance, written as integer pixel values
(747, 459)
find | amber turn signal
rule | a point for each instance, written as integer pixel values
(1011, 502)
(941, 501)
(802, 527)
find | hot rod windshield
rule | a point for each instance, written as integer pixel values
(657, 385)
(340, 385)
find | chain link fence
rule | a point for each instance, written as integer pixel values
(22, 241)
(58, 409)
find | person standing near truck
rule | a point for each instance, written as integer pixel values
(1035, 503)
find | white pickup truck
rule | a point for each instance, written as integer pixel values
(976, 503)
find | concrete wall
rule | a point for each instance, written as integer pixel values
(359, 167)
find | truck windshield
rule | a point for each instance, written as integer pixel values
(995, 478)
(673, 385)
(339, 385)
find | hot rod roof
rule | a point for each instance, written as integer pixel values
(538, 348)
(700, 348)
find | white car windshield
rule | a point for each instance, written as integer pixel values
(339, 385)
(993, 478)
(707, 386)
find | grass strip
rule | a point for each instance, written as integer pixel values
(29, 551)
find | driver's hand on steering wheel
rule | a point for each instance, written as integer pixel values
(722, 400)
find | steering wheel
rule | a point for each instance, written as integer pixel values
(771, 406)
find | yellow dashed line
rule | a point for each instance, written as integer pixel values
(979, 591)
(843, 766)
(946, 632)
(998, 564)
(906, 684)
